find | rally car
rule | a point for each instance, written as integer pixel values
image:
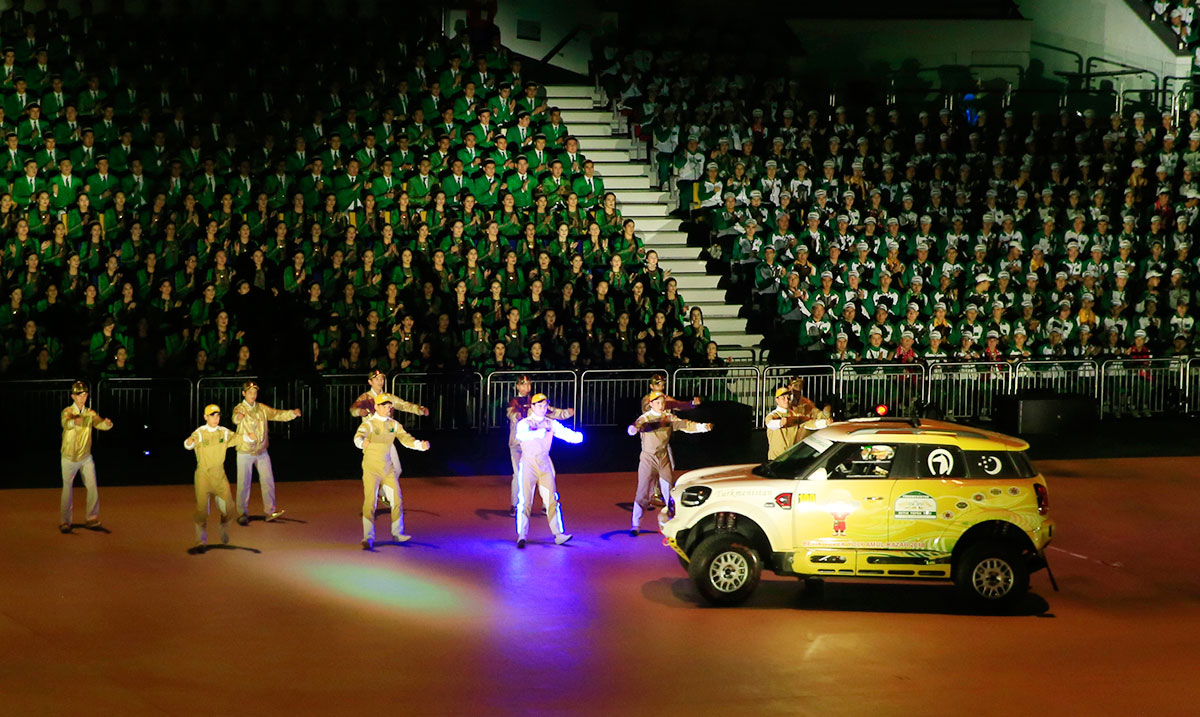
(868, 498)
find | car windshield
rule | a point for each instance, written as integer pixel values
(795, 461)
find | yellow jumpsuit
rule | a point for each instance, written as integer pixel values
(366, 402)
(209, 445)
(783, 430)
(378, 469)
(536, 471)
(76, 459)
(655, 430)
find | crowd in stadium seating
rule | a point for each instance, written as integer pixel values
(415, 207)
(864, 233)
(1180, 17)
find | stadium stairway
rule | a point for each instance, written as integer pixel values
(616, 159)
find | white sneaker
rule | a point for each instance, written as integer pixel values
(402, 538)
(561, 538)
(273, 515)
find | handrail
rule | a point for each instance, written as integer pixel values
(1078, 57)
(563, 42)
(1098, 59)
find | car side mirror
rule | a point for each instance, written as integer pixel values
(818, 474)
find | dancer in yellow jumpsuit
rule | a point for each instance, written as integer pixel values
(77, 422)
(364, 407)
(375, 437)
(658, 382)
(655, 427)
(250, 416)
(210, 442)
(783, 424)
(518, 408)
(535, 433)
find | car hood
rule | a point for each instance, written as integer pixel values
(718, 474)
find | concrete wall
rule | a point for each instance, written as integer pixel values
(834, 43)
(1104, 28)
(556, 19)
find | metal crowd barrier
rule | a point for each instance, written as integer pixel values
(820, 384)
(613, 398)
(1142, 387)
(1191, 386)
(967, 390)
(896, 385)
(154, 406)
(560, 388)
(741, 384)
(32, 408)
(1079, 377)
(454, 401)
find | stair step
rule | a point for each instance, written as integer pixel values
(598, 144)
(575, 117)
(585, 131)
(676, 252)
(570, 105)
(684, 266)
(636, 211)
(705, 296)
(622, 169)
(717, 310)
(670, 241)
(570, 91)
(657, 224)
(608, 156)
(735, 338)
(617, 183)
(643, 196)
(691, 279)
(723, 325)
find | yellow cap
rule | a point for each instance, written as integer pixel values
(210, 409)
(383, 398)
(248, 385)
(782, 391)
(538, 398)
(654, 396)
(78, 387)
(375, 372)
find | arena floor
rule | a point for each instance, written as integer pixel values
(297, 618)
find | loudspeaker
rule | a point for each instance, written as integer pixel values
(1046, 413)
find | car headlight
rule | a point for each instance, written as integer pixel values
(695, 495)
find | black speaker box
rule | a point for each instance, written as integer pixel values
(1046, 413)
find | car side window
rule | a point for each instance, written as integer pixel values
(998, 465)
(940, 462)
(863, 461)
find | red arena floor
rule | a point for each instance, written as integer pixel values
(298, 619)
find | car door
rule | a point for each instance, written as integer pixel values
(924, 508)
(842, 509)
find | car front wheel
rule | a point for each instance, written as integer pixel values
(725, 569)
(992, 575)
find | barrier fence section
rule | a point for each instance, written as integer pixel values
(613, 398)
(967, 390)
(1191, 379)
(820, 385)
(154, 406)
(1078, 377)
(740, 384)
(1142, 387)
(896, 385)
(455, 401)
(31, 409)
(560, 387)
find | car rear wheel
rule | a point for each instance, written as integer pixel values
(992, 575)
(725, 569)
